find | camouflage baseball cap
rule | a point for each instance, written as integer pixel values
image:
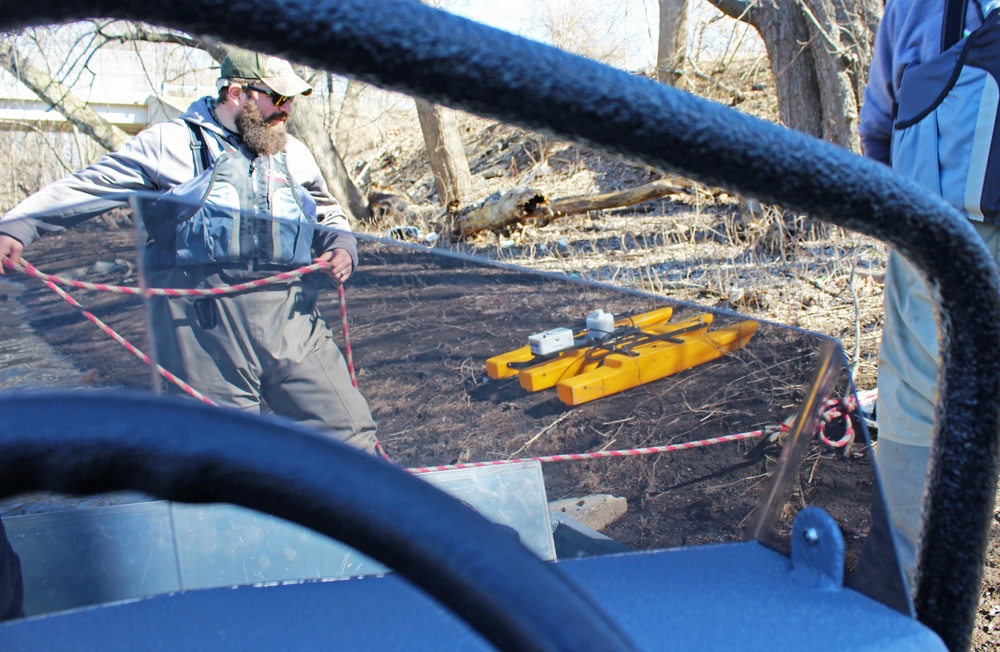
(276, 73)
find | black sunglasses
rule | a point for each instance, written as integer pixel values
(275, 96)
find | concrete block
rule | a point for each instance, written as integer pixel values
(596, 511)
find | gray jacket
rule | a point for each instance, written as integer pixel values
(156, 160)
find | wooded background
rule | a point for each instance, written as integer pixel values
(817, 52)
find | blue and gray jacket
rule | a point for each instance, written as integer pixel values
(161, 160)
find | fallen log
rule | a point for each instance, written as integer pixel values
(522, 204)
(630, 197)
(502, 209)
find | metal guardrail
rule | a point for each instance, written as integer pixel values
(405, 46)
(131, 117)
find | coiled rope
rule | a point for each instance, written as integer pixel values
(837, 409)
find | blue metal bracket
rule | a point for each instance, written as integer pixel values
(817, 549)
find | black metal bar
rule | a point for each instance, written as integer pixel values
(177, 449)
(406, 46)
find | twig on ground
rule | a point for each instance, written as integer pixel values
(539, 434)
(816, 284)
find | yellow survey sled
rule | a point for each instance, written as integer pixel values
(613, 355)
(584, 359)
(618, 371)
(510, 363)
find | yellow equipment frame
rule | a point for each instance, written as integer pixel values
(499, 366)
(647, 349)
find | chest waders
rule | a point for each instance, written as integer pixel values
(239, 215)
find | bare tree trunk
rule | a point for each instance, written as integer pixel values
(671, 52)
(450, 167)
(787, 37)
(834, 69)
(819, 51)
(307, 125)
(452, 176)
(347, 117)
(62, 99)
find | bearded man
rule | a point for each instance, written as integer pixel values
(227, 196)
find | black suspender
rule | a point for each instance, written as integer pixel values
(199, 148)
(954, 23)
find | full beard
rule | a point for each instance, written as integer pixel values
(266, 136)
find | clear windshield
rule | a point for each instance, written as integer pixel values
(684, 424)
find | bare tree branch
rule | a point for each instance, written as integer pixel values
(59, 97)
(215, 48)
(137, 32)
(47, 143)
(739, 9)
(823, 30)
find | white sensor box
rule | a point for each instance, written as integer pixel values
(552, 341)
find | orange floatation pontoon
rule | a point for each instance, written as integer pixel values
(613, 355)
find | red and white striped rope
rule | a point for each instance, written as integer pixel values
(835, 408)
(576, 457)
(128, 345)
(347, 335)
(350, 361)
(53, 282)
(867, 397)
(31, 270)
(832, 411)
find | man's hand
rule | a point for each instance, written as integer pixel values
(11, 248)
(340, 263)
